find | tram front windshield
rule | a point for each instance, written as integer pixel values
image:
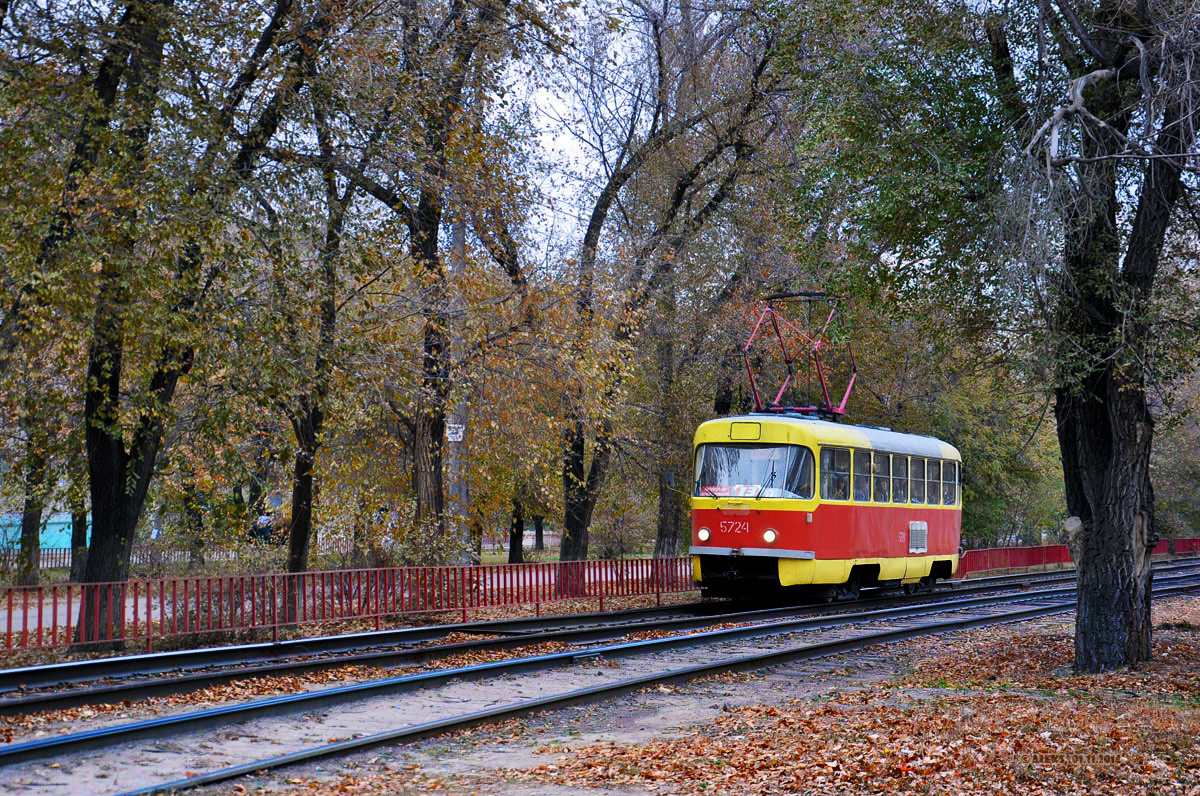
(754, 470)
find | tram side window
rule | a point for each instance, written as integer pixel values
(899, 479)
(916, 492)
(883, 477)
(862, 476)
(835, 473)
(949, 482)
(933, 488)
(800, 475)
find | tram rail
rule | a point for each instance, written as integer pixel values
(178, 673)
(980, 610)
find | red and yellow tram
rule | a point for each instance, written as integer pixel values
(787, 499)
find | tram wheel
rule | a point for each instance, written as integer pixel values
(823, 594)
(848, 590)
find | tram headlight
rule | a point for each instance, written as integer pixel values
(703, 534)
(769, 536)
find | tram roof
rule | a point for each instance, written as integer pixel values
(875, 437)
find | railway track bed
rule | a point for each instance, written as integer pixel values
(220, 744)
(120, 686)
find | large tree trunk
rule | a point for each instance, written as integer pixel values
(79, 541)
(119, 479)
(194, 516)
(120, 476)
(581, 490)
(29, 559)
(670, 518)
(580, 493)
(670, 509)
(115, 512)
(307, 427)
(308, 418)
(539, 528)
(1105, 426)
(429, 437)
(428, 480)
(1108, 490)
(516, 534)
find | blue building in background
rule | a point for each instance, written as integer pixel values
(56, 530)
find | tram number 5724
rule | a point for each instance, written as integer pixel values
(735, 526)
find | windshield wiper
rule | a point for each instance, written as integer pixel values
(766, 484)
(710, 487)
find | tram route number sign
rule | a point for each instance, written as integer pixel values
(455, 432)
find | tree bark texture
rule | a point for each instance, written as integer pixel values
(194, 517)
(516, 534)
(306, 428)
(476, 541)
(581, 490)
(430, 420)
(670, 519)
(308, 417)
(670, 503)
(1109, 491)
(120, 477)
(79, 541)
(30, 555)
(539, 527)
(1105, 427)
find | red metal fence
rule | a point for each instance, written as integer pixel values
(1044, 555)
(1012, 558)
(146, 610)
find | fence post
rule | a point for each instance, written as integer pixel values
(374, 577)
(462, 591)
(149, 618)
(24, 618)
(658, 581)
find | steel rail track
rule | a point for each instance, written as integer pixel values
(175, 660)
(750, 662)
(186, 682)
(305, 701)
(69, 672)
(31, 677)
